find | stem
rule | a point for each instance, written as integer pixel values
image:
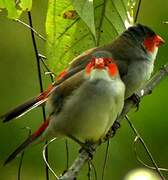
(20, 165)
(105, 159)
(29, 27)
(40, 83)
(137, 11)
(145, 147)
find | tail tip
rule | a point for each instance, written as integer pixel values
(4, 118)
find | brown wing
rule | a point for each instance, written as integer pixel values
(114, 50)
(82, 59)
(76, 65)
(63, 90)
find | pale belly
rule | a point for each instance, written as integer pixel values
(86, 117)
(138, 74)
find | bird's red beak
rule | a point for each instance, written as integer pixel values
(158, 40)
(99, 63)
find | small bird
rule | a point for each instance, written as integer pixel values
(83, 107)
(134, 52)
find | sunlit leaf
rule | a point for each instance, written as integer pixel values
(65, 36)
(11, 8)
(26, 5)
(85, 9)
(14, 10)
(69, 33)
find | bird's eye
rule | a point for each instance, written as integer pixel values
(107, 61)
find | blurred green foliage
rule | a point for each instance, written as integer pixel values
(19, 81)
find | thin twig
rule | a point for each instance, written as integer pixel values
(29, 27)
(138, 158)
(20, 165)
(45, 159)
(89, 170)
(94, 169)
(137, 11)
(145, 147)
(40, 81)
(22, 154)
(67, 153)
(83, 156)
(51, 74)
(105, 159)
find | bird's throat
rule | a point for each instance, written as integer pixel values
(99, 74)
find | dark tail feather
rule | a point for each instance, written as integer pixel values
(28, 141)
(27, 106)
(42, 98)
(19, 149)
(18, 111)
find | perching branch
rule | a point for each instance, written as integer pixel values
(146, 90)
(83, 156)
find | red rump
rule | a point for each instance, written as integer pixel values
(41, 129)
(61, 75)
(45, 94)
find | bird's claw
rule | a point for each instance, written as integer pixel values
(115, 126)
(112, 130)
(88, 147)
(136, 99)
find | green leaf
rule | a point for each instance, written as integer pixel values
(26, 5)
(14, 11)
(10, 6)
(69, 33)
(65, 35)
(85, 9)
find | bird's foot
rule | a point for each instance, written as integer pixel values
(115, 126)
(112, 131)
(89, 148)
(136, 100)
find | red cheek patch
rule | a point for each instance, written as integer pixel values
(149, 44)
(88, 68)
(112, 68)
